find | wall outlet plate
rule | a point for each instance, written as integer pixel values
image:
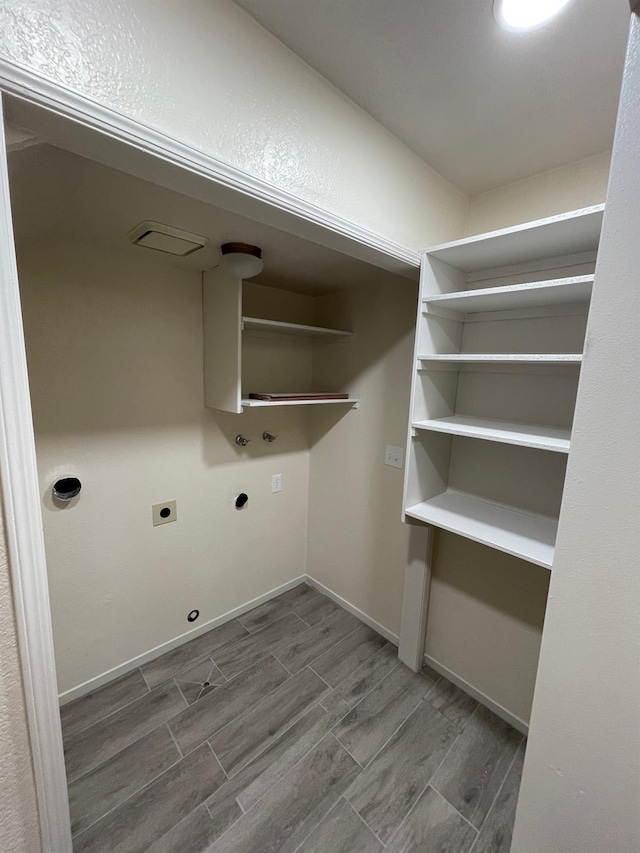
(164, 513)
(393, 456)
(276, 483)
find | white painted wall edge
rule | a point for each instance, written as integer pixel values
(25, 545)
(105, 677)
(482, 698)
(320, 226)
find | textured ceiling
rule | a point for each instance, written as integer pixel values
(482, 106)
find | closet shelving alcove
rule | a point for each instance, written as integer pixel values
(225, 327)
(499, 339)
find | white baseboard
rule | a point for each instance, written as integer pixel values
(105, 677)
(134, 663)
(498, 710)
(351, 608)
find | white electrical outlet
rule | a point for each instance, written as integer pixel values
(393, 456)
(276, 483)
(164, 513)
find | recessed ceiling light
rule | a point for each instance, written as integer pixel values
(520, 15)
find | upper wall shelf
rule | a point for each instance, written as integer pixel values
(522, 435)
(502, 358)
(247, 403)
(523, 534)
(575, 290)
(254, 324)
(568, 234)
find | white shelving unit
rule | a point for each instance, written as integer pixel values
(499, 340)
(224, 329)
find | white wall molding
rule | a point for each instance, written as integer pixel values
(320, 225)
(152, 654)
(25, 545)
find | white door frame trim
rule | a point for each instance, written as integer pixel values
(25, 546)
(20, 487)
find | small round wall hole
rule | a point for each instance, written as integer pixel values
(193, 616)
(165, 512)
(242, 500)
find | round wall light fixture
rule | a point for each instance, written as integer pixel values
(523, 15)
(242, 259)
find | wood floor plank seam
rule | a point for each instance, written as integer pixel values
(417, 793)
(338, 741)
(287, 772)
(245, 711)
(98, 722)
(495, 799)
(356, 812)
(258, 699)
(375, 686)
(204, 651)
(267, 746)
(468, 822)
(111, 713)
(174, 740)
(415, 806)
(482, 712)
(324, 816)
(166, 699)
(226, 775)
(337, 643)
(396, 730)
(309, 665)
(309, 689)
(126, 799)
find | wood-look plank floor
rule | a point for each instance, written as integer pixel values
(293, 729)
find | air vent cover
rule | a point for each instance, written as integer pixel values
(164, 238)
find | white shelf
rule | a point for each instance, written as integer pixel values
(255, 324)
(503, 358)
(567, 234)
(256, 404)
(538, 294)
(523, 435)
(531, 537)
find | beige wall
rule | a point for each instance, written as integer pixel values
(570, 187)
(357, 544)
(207, 73)
(114, 345)
(19, 830)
